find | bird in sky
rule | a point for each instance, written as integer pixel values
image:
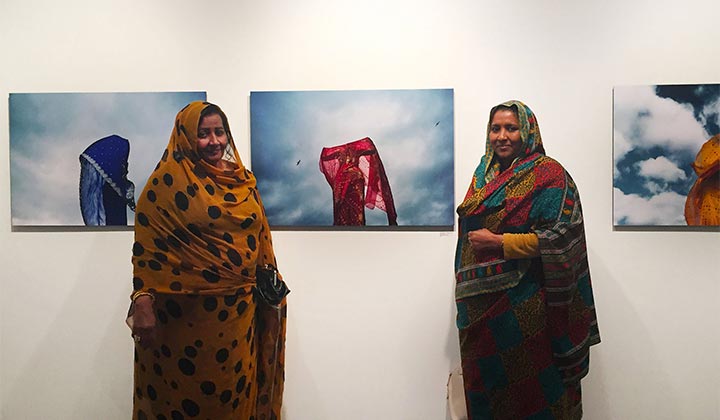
(437, 123)
(298, 162)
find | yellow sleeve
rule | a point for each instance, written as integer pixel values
(520, 245)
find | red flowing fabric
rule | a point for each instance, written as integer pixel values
(349, 169)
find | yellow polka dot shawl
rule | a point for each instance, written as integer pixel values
(202, 230)
(702, 206)
(198, 229)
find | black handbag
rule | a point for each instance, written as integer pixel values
(271, 289)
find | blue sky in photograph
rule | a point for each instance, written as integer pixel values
(49, 131)
(658, 131)
(412, 130)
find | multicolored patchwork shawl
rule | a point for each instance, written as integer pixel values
(535, 194)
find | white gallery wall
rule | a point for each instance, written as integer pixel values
(371, 319)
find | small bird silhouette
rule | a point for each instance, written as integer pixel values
(298, 162)
(437, 123)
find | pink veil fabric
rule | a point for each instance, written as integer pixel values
(354, 170)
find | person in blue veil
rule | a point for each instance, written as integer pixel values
(105, 190)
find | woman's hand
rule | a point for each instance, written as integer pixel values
(144, 321)
(484, 240)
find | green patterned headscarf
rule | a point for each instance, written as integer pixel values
(529, 133)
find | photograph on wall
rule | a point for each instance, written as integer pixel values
(80, 159)
(355, 159)
(666, 148)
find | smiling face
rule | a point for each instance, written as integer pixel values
(212, 139)
(505, 136)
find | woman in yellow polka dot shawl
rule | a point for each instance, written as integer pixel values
(206, 348)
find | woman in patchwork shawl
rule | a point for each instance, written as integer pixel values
(526, 316)
(205, 348)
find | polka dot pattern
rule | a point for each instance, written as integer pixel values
(210, 304)
(210, 276)
(181, 201)
(142, 219)
(199, 234)
(207, 387)
(138, 249)
(220, 375)
(234, 257)
(161, 244)
(214, 212)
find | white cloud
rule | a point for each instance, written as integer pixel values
(666, 208)
(646, 120)
(355, 120)
(661, 168)
(621, 146)
(46, 184)
(713, 109)
(654, 187)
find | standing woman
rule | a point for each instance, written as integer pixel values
(205, 346)
(526, 316)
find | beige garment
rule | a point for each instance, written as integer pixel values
(456, 395)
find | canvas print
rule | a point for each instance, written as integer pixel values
(666, 147)
(79, 159)
(378, 159)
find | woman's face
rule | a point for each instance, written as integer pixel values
(505, 136)
(212, 139)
